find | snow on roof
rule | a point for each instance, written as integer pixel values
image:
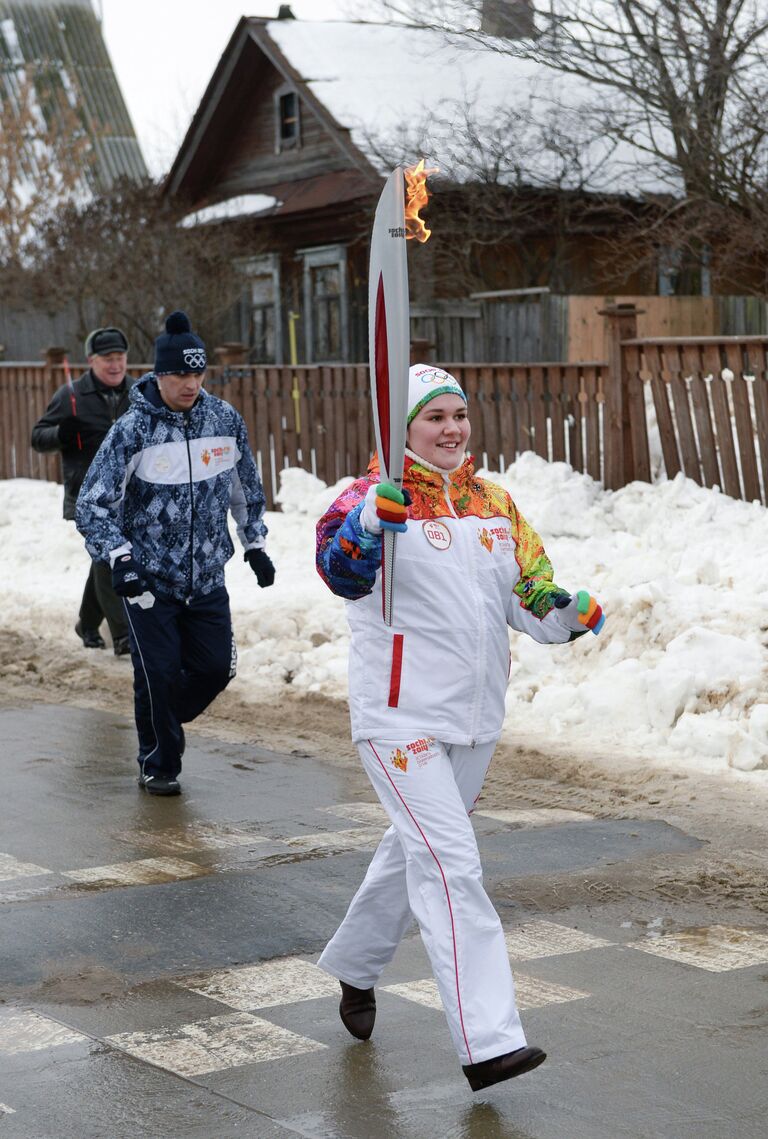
(375, 78)
(242, 206)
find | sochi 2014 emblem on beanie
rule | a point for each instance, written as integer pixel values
(194, 358)
(180, 350)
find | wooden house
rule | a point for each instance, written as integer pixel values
(291, 140)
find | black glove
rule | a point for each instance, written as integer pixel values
(71, 432)
(126, 577)
(259, 562)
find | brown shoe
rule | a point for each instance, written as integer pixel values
(504, 1067)
(357, 1010)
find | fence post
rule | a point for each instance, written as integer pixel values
(621, 324)
(232, 354)
(54, 356)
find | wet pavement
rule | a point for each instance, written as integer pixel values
(157, 973)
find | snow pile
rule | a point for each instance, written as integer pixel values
(678, 673)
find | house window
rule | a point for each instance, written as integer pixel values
(685, 273)
(288, 124)
(326, 304)
(261, 310)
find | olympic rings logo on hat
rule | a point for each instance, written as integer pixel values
(433, 376)
(194, 358)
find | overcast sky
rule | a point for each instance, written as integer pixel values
(165, 52)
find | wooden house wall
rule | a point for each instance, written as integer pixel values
(238, 153)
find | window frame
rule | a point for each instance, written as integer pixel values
(294, 143)
(265, 265)
(325, 257)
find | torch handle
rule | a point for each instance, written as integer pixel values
(389, 539)
(388, 542)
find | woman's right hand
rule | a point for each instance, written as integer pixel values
(385, 508)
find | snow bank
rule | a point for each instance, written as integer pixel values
(678, 673)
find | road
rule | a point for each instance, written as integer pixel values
(157, 956)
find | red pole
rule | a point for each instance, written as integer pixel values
(72, 400)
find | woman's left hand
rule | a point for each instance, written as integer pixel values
(580, 611)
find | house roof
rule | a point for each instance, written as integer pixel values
(390, 93)
(61, 42)
(392, 84)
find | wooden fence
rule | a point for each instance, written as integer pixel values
(549, 326)
(319, 418)
(709, 396)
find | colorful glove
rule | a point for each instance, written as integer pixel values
(386, 508)
(580, 612)
(259, 562)
(126, 577)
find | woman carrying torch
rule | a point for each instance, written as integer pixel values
(427, 707)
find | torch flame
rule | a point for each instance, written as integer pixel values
(416, 198)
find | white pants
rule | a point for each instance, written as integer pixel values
(427, 866)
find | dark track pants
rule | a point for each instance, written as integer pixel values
(100, 601)
(183, 655)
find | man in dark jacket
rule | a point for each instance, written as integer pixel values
(75, 422)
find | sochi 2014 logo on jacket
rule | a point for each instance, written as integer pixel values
(488, 536)
(399, 760)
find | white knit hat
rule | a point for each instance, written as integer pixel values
(425, 381)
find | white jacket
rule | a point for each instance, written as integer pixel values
(468, 567)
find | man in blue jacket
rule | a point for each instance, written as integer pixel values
(154, 504)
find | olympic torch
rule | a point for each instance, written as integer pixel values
(389, 336)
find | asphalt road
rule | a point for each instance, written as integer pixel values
(157, 971)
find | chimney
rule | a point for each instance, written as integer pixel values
(511, 19)
(285, 12)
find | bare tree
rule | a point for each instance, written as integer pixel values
(44, 163)
(673, 90)
(516, 182)
(681, 82)
(126, 254)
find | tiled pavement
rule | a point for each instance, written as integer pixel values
(256, 1049)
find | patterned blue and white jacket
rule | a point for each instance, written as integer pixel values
(161, 485)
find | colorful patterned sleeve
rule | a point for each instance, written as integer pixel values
(536, 589)
(347, 555)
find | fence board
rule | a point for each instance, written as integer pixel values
(724, 434)
(633, 377)
(507, 415)
(556, 408)
(693, 371)
(743, 416)
(673, 371)
(663, 411)
(592, 417)
(573, 413)
(259, 389)
(755, 361)
(538, 411)
(489, 413)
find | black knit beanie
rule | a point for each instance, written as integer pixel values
(180, 350)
